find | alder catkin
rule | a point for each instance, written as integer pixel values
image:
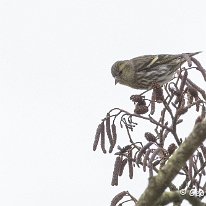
(97, 136)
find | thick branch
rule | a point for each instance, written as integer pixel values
(159, 183)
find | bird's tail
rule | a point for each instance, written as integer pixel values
(193, 54)
(185, 57)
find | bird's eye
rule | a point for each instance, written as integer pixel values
(120, 72)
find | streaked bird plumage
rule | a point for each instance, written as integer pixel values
(141, 72)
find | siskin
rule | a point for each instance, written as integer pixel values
(143, 71)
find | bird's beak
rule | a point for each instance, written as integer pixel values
(116, 81)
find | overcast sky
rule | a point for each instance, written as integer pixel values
(55, 86)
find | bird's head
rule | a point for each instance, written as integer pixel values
(122, 71)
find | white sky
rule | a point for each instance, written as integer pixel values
(55, 86)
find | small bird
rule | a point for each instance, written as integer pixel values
(141, 72)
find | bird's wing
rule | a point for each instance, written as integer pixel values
(149, 61)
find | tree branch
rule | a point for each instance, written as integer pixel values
(159, 183)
